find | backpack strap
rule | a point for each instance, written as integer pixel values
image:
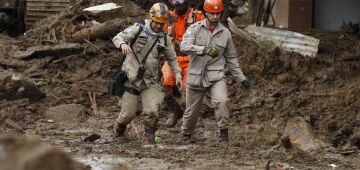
(165, 40)
(137, 34)
(147, 54)
(141, 28)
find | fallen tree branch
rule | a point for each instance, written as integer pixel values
(105, 30)
(92, 44)
(92, 98)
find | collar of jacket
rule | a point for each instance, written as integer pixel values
(148, 30)
(219, 27)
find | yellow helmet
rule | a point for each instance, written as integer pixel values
(159, 13)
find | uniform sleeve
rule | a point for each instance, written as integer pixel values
(126, 36)
(188, 42)
(171, 58)
(232, 61)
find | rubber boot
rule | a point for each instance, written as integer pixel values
(176, 114)
(201, 123)
(149, 135)
(224, 135)
(186, 138)
(171, 121)
(120, 130)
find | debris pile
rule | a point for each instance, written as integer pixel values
(76, 23)
(300, 103)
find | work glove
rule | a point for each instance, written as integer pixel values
(246, 83)
(211, 51)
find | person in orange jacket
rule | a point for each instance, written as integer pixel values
(180, 18)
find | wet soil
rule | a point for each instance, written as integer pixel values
(323, 91)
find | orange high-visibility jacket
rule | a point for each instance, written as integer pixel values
(176, 28)
(177, 25)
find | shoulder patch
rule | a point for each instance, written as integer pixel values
(187, 33)
(128, 29)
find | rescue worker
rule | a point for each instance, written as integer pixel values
(143, 46)
(180, 18)
(211, 47)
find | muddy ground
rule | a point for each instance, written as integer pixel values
(313, 98)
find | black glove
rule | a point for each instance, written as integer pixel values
(246, 83)
(211, 51)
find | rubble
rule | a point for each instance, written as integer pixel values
(16, 86)
(287, 40)
(63, 49)
(301, 136)
(306, 103)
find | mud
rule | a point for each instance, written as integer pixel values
(322, 91)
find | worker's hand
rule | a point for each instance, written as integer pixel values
(125, 49)
(211, 51)
(246, 83)
(178, 83)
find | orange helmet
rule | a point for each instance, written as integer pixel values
(159, 13)
(215, 6)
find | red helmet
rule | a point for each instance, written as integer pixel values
(215, 6)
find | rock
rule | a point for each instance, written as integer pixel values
(104, 12)
(67, 115)
(92, 138)
(31, 154)
(15, 86)
(301, 135)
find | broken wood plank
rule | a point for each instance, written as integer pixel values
(92, 44)
(15, 103)
(92, 97)
(49, 50)
(13, 63)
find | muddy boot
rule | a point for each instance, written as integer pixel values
(186, 139)
(201, 123)
(120, 130)
(224, 135)
(171, 121)
(176, 114)
(149, 135)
